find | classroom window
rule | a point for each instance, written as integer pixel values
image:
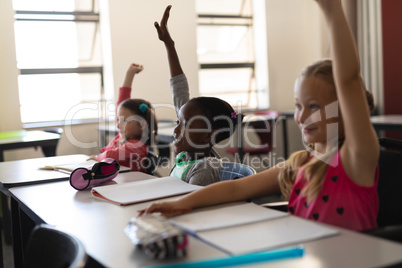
(59, 58)
(227, 52)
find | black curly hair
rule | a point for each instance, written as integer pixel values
(220, 114)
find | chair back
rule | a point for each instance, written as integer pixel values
(264, 124)
(151, 162)
(48, 247)
(231, 171)
(390, 183)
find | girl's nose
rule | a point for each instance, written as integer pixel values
(176, 129)
(118, 125)
(300, 116)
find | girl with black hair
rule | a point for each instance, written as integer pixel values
(202, 122)
(137, 127)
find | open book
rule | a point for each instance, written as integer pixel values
(69, 167)
(141, 191)
(222, 216)
(238, 228)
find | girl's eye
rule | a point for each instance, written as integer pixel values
(314, 106)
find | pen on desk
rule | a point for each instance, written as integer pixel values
(59, 169)
(63, 171)
(173, 210)
(271, 255)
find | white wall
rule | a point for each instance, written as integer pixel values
(134, 39)
(294, 40)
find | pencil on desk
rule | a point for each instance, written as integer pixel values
(271, 255)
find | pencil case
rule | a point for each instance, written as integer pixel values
(157, 237)
(83, 178)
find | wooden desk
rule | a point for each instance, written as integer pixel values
(22, 139)
(390, 122)
(27, 172)
(99, 225)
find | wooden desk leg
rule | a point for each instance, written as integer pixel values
(1, 251)
(49, 150)
(17, 247)
(6, 219)
(1, 237)
(22, 225)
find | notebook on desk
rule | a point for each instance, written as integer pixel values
(142, 191)
(226, 215)
(239, 228)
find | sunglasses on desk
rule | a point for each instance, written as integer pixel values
(84, 178)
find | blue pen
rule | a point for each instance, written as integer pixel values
(263, 256)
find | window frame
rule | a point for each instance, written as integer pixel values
(76, 16)
(232, 65)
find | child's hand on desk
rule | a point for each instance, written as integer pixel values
(167, 209)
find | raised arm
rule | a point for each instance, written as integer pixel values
(132, 70)
(125, 90)
(178, 81)
(360, 151)
(164, 36)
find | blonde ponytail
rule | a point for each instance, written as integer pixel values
(288, 175)
(314, 170)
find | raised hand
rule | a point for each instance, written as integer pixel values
(162, 29)
(135, 68)
(131, 71)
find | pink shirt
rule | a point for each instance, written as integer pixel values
(130, 154)
(341, 201)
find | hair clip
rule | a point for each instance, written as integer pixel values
(143, 107)
(234, 115)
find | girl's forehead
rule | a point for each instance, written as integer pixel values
(125, 112)
(313, 87)
(190, 109)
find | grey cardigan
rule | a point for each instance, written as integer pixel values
(207, 170)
